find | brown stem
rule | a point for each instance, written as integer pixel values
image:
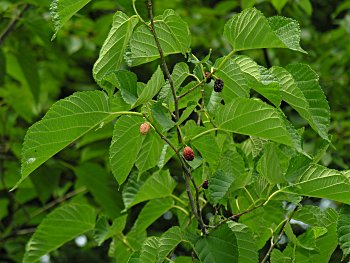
(236, 216)
(11, 26)
(187, 171)
(188, 176)
(162, 57)
(273, 244)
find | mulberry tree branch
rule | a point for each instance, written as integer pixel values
(195, 206)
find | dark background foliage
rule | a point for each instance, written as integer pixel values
(29, 59)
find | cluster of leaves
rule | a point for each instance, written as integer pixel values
(253, 157)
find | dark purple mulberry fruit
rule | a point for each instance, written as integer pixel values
(205, 184)
(218, 85)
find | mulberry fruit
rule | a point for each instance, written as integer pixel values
(218, 85)
(144, 128)
(205, 184)
(207, 76)
(188, 153)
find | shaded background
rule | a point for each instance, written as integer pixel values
(30, 63)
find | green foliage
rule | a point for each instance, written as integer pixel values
(59, 227)
(262, 147)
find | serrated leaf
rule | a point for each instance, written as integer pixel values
(207, 146)
(162, 117)
(174, 37)
(66, 121)
(168, 241)
(126, 144)
(311, 215)
(321, 182)
(151, 212)
(158, 185)
(246, 247)
(112, 51)
(268, 86)
(151, 89)
(307, 81)
(255, 118)
(235, 85)
(132, 187)
(102, 186)
(269, 165)
(278, 257)
(63, 10)
(104, 231)
(297, 165)
(219, 185)
(59, 227)
(325, 244)
(262, 220)
(251, 30)
(179, 74)
(219, 246)
(343, 231)
(149, 250)
(150, 152)
(127, 83)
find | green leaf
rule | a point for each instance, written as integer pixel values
(343, 231)
(278, 257)
(255, 118)
(150, 152)
(219, 246)
(104, 231)
(128, 85)
(66, 121)
(219, 185)
(63, 10)
(151, 89)
(179, 74)
(162, 117)
(59, 227)
(149, 250)
(247, 249)
(311, 215)
(112, 51)
(269, 165)
(102, 186)
(324, 244)
(169, 241)
(158, 185)
(125, 146)
(207, 146)
(2, 67)
(279, 4)
(174, 37)
(23, 67)
(235, 84)
(319, 113)
(262, 220)
(306, 6)
(268, 86)
(321, 182)
(150, 213)
(251, 30)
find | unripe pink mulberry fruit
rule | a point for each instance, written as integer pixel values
(144, 128)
